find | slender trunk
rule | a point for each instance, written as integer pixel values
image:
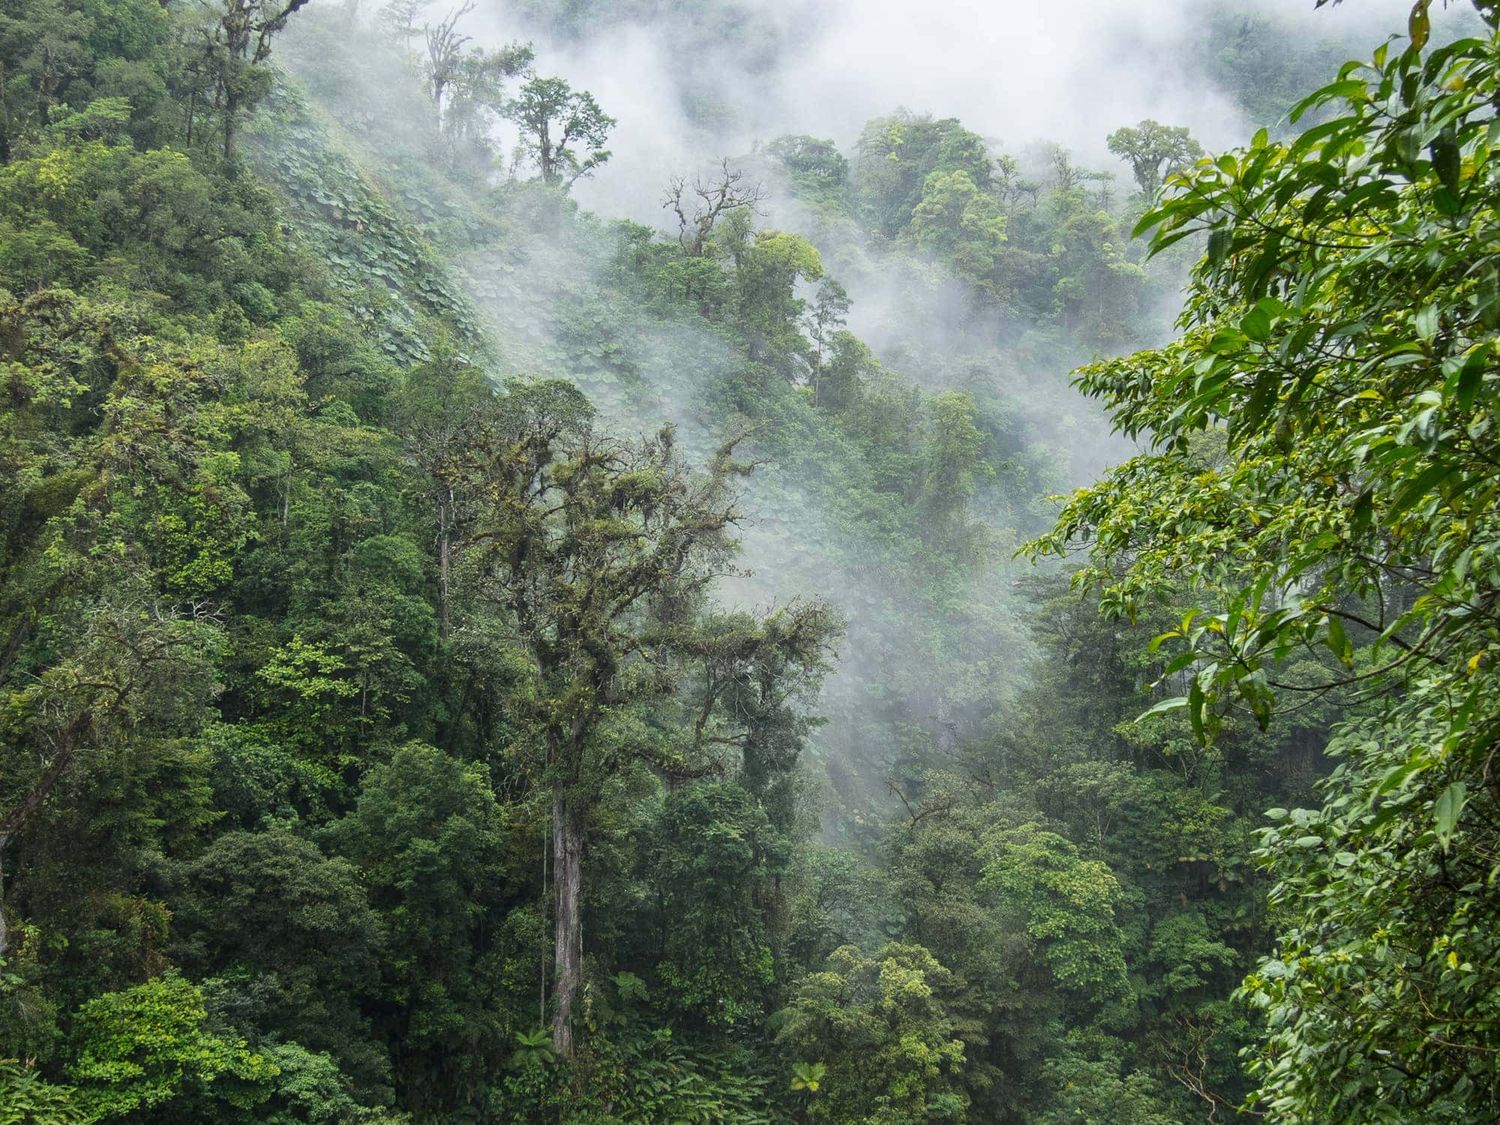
(62, 758)
(231, 113)
(567, 945)
(232, 96)
(445, 548)
(544, 155)
(48, 86)
(4, 929)
(4, 119)
(541, 1012)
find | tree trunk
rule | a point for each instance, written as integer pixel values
(567, 948)
(544, 154)
(231, 119)
(4, 120)
(445, 550)
(4, 929)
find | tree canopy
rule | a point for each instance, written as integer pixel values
(468, 658)
(1321, 484)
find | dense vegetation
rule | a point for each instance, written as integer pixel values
(465, 659)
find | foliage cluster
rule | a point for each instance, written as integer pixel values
(386, 737)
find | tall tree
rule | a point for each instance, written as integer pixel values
(477, 96)
(241, 39)
(445, 53)
(601, 550)
(42, 47)
(139, 673)
(442, 410)
(825, 320)
(1153, 150)
(563, 130)
(399, 17)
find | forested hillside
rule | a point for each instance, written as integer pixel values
(467, 656)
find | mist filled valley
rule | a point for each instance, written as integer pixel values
(805, 560)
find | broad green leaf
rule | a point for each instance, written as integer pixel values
(1419, 24)
(1338, 642)
(1257, 325)
(1176, 703)
(1447, 810)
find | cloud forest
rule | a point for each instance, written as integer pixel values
(749, 561)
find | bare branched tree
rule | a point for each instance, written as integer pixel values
(701, 205)
(445, 53)
(249, 25)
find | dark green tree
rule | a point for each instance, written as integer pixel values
(1320, 481)
(434, 847)
(564, 131)
(292, 942)
(600, 551)
(880, 1028)
(1154, 151)
(238, 43)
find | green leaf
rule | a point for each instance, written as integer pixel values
(1161, 639)
(1176, 703)
(1258, 408)
(1227, 341)
(1470, 377)
(1447, 810)
(1419, 25)
(1197, 704)
(1338, 642)
(1419, 488)
(1257, 325)
(1394, 778)
(1218, 244)
(1179, 662)
(1347, 89)
(1425, 321)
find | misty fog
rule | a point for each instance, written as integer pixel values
(826, 67)
(1017, 72)
(608, 562)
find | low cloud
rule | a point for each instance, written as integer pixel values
(689, 82)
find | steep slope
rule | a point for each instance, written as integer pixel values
(835, 509)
